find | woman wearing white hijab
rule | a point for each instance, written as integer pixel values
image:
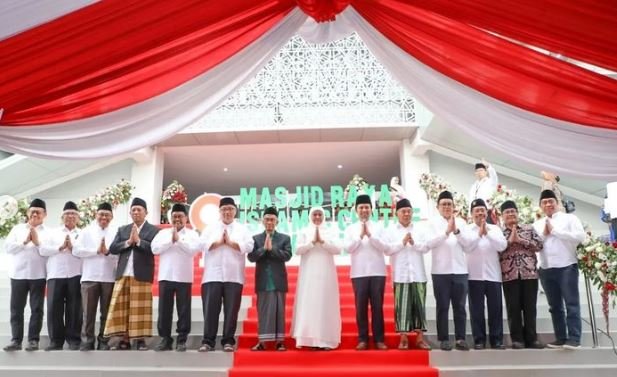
(317, 316)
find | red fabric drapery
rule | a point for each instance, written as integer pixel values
(583, 30)
(323, 10)
(116, 53)
(501, 69)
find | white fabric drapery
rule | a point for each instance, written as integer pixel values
(20, 15)
(156, 119)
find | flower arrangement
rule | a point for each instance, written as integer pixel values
(527, 211)
(433, 185)
(12, 212)
(598, 261)
(115, 195)
(174, 193)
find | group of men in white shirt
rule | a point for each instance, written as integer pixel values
(466, 267)
(75, 273)
(81, 271)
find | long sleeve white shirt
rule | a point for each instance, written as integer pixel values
(96, 267)
(25, 261)
(560, 246)
(447, 251)
(176, 258)
(407, 261)
(483, 260)
(224, 263)
(485, 188)
(60, 264)
(367, 253)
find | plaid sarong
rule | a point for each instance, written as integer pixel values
(409, 306)
(130, 311)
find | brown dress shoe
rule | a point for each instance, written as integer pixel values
(362, 346)
(381, 346)
(404, 343)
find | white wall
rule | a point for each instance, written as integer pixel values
(460, 176)
(84, 186)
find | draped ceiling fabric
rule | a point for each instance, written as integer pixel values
(94, 79)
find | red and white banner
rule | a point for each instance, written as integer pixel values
(118, 75)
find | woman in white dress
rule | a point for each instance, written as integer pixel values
(317, 315)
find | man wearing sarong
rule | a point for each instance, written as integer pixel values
(271, 250)
(130, 311)
(406, 251)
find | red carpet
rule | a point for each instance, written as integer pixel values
(344, 361)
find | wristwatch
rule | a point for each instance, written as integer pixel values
(457, 231)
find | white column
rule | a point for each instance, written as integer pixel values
(147, 178)
(414, 161)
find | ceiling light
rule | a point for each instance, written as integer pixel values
(339, 166)
(225, 170)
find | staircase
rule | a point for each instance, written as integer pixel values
(599, 362)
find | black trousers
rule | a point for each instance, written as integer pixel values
(479, 290)
(93, 293)
(20, 289)
(521, 298)
(369, 289)
(64, 313)
(182, 293)
(213, 295)
(450, 288)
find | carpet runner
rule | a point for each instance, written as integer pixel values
(344, 361)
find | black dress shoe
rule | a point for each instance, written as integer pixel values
(54, 347)
(537, 345)
(140, 345)
(163, 346)
(13, 346)
(181, 347)
(74, 346)
(445, 346)
(498, 346)
(103, 346)
(479, 346)
(517, 346)
(461, 345)
(87, 347)
(33, 345)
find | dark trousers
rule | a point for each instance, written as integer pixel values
(182, 292)
(213, 295)
(450, 288)
(94, 293)
(64, 314)
(20, 289)
(479, 290)
(521, 298)
(369, 289)
(561, 286)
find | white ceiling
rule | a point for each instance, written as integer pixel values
(200, 168)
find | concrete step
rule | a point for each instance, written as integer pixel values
(597, 361)
(145, 371)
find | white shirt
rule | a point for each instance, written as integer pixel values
(448, 253)
(130, 270)
(407, 260)
(483, 260)
(485, 188)
(367, 254)
(225, 264)
(96, 267)
(25, 261)
(176, 259)
(560, 246)
(60, 264)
